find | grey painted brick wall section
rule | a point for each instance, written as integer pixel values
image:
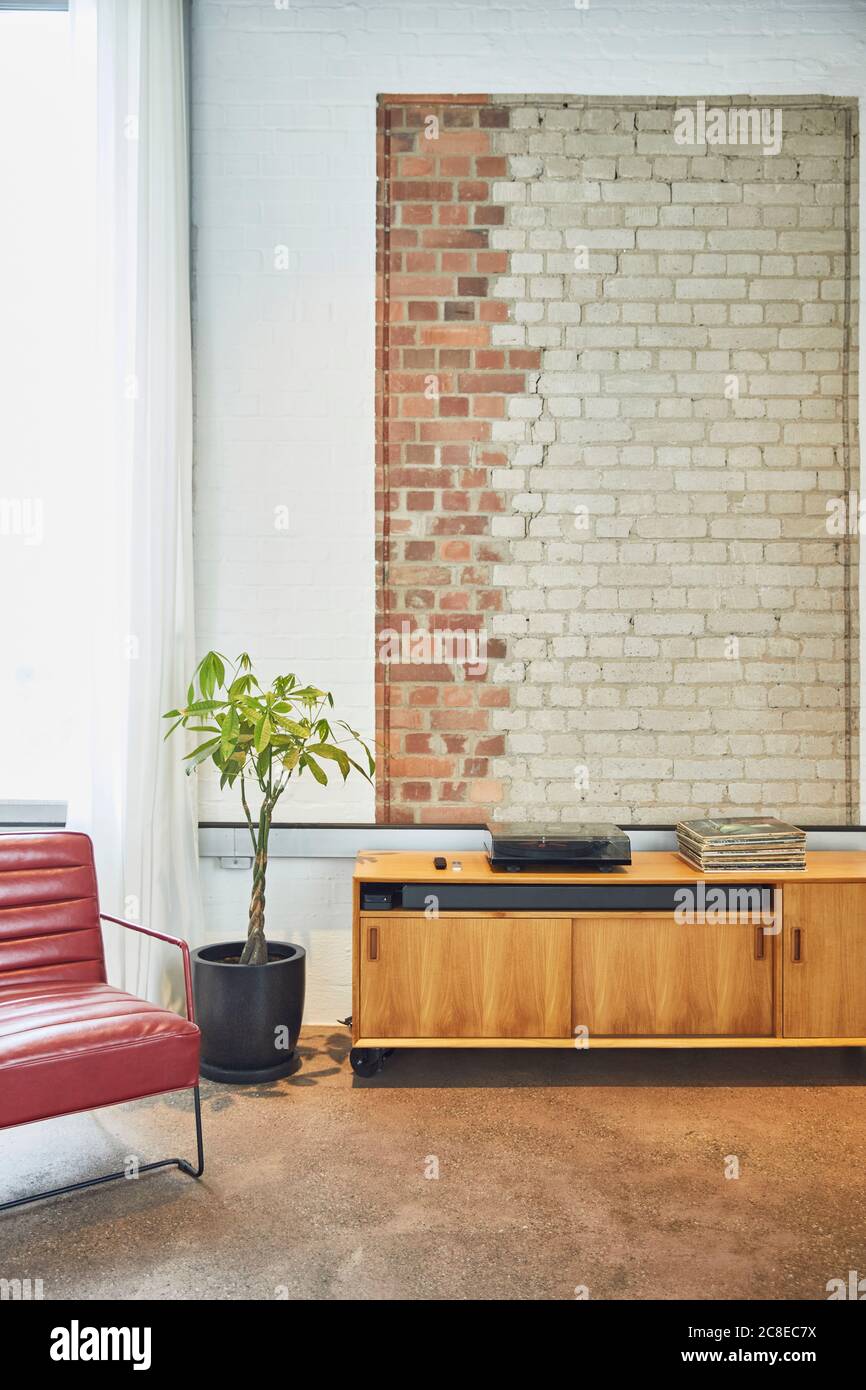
(681, 620)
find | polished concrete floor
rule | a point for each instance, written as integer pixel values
(557, 1172)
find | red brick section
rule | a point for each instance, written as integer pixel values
(434, 503)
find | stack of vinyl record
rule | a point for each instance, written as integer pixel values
(748, 844)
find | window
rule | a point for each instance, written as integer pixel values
(41, 476)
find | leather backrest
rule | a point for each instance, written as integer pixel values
(49, 910)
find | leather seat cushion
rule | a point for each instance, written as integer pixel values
(67, 1046)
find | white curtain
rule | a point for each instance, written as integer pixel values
(131, 790)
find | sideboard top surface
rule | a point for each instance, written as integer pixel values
(404, 866)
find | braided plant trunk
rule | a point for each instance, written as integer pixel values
(255, 951)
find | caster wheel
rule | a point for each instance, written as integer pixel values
(367, 1061)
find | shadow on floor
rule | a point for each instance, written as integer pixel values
(325, 1060)
(514, 1067)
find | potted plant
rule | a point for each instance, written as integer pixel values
(249, 994)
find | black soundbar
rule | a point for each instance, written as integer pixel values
(565, 897)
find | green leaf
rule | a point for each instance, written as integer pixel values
(240, 686)
(263, 735)
(299, 730)
(318, 772)
(358, 768)
(207, 679)
(199, 754)
(230, 728)
(309, 694)
(326, 750)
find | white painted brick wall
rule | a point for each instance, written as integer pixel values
(283, 141)
(726, 619)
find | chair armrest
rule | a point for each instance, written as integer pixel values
(172, 941)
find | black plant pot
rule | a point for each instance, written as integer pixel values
(249, 1015)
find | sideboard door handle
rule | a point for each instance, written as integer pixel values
(373, 944)
(759, 943)
(797, 945)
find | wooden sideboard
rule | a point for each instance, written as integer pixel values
(653, 955)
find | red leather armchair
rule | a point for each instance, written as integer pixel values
(70, 1041)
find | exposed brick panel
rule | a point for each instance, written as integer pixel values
(585, 289)
(440, 388)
